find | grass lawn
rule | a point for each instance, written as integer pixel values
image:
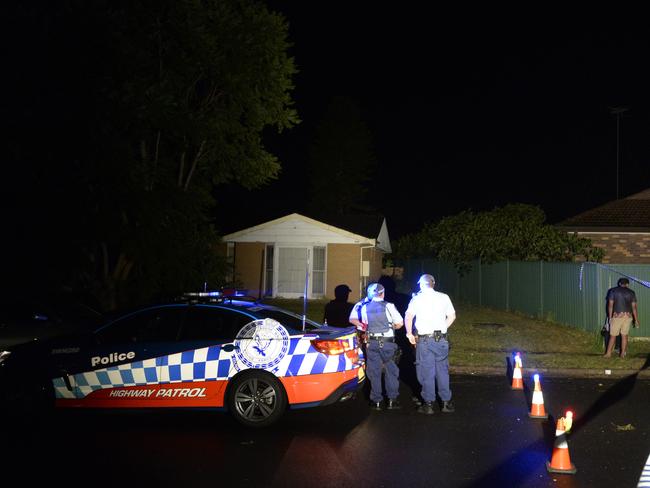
(483, 337)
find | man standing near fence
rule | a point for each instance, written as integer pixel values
(434, 314)
(621, 313)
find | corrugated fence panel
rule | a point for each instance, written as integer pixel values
(470, 289)
(524, 288)
(495, 285)
(562, 298)
(593, 298)
(568, 293)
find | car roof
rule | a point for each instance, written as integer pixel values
(253, 308)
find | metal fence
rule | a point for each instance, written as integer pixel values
(568, 293)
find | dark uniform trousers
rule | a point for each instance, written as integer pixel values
(432, 368)
(379, 357)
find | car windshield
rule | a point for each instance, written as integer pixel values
(288, 319)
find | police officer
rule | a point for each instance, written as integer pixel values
(434, 314)
(379, 318)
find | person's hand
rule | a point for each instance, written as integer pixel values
(635, 324)
(411, 338)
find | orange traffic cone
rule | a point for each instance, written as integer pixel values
(517, 380)
(560, 460)
(537, 407)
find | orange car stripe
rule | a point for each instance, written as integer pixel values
(194, 394)
(315, 387)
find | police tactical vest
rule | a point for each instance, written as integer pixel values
(377, 320)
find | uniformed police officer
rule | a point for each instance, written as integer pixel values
(379, 318)
(434, 314)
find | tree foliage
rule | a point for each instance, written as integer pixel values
(516, 231)
(341, 161)
(148, 106)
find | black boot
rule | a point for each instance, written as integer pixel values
(448, 407)
(426, 408)
(393, 404)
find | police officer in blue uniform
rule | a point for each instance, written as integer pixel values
(379, 319)
(434, 314)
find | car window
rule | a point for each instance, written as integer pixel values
(160, 324)
(288, 319)
(206, 323)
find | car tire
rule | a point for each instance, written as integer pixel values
(256, 398)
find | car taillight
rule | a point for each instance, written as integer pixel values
(353, 355)
(332, 347)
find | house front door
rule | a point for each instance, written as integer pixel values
(292, 271)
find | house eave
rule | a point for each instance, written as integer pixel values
(606, 230)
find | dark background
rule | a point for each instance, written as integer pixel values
(468, 110)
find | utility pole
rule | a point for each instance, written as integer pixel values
(618, 111)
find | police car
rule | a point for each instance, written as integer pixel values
(206, 351)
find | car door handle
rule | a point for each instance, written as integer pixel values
(230, 348)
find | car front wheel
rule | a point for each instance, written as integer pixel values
(257, 399)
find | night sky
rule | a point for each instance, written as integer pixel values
(466, 112)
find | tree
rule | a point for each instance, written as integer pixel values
(157, 103)
(515, 231)
(341, 160)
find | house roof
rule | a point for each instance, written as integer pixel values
(630, 214)
(370, 229)
(363, 225)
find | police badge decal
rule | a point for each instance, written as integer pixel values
(261, 344)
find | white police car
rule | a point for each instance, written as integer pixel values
(251, 359)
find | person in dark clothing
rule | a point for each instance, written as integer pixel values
(621, 313)
(605, 329)
(337, 311)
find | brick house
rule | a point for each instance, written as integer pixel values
(275, 258)
(620, 227)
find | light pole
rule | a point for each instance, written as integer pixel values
(617, 111)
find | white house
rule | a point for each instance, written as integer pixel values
(279, 257)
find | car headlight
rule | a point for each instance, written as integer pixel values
(4, 355)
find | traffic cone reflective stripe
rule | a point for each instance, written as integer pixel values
(560, 460)
(517, 380)
(537, 410)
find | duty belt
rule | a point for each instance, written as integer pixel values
(437, 335)
(381, 339)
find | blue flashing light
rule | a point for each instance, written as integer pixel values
(536, 377)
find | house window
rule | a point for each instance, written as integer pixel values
(318, 272)
(292, 263)
(268, 271)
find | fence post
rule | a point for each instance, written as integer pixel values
(583, 292)
(601, 315)
(507, 285)
(480, 284)
(541, 289)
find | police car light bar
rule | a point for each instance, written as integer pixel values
(199, 294)
(203, 296)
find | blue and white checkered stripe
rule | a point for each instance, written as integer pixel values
(205, 364)
(303, 359)
(644, 480)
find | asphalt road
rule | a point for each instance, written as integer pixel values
(489, 441)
